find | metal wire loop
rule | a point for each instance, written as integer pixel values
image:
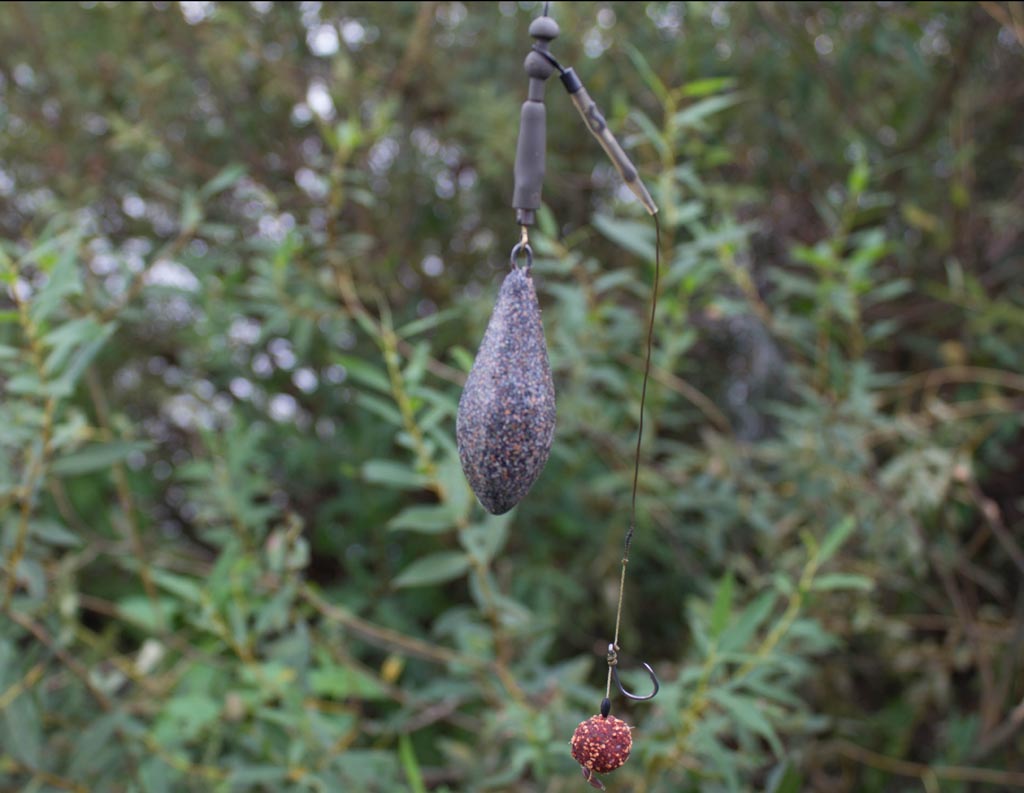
(522, 247)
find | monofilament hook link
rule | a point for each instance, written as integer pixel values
(613, 667)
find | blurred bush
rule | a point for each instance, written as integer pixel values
(248, 252)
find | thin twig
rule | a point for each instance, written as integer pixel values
(76, 668)
(1001, 734)
(19, 687)
(892, 765)
(690, 393)
(9, 763)
(35, 472)
(967, 375)
(383, 637)
(417, 45)
(124, 494)
(994, 520)
(356, 308)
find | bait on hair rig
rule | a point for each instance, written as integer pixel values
(506, 417)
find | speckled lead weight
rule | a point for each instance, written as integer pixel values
(506, 417)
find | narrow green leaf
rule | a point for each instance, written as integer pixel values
(785, 778)
(722, 759)
(410, 764)
(24, 730)
(427, 519)
(842, 581)
(769, 691)
(723, 605)
(365, 373)
(191, 212)
(63, 277)
(97, 457)
(835, 538)
(64, 339)
(451, 478)
(340, 682)
(859, 177)
(382, 408)
(696, 113)
(633, 236)
(423, 324)
(434, 569)
(484, 541)
(189, 589)
(142, 611)
(258, 775)
(91, 747)
(546, 222)
(394, 474)
(707, 85)
(782, 583)
(651, 132)
(647, 74)
(417, 365)
(462, 357)
(222, 181)
(157, 776)
(79, 361)
(746, 713)
(54, 533)
(24, 383)
(747, 624)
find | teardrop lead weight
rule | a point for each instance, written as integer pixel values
(506, 417)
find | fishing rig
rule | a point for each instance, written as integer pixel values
(506, 417)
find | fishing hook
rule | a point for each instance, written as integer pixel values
(613, 664)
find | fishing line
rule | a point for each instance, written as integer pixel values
(614, 647)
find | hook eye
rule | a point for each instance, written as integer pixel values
(522, 247)
(654, 679)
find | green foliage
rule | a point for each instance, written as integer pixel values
(247, 253)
